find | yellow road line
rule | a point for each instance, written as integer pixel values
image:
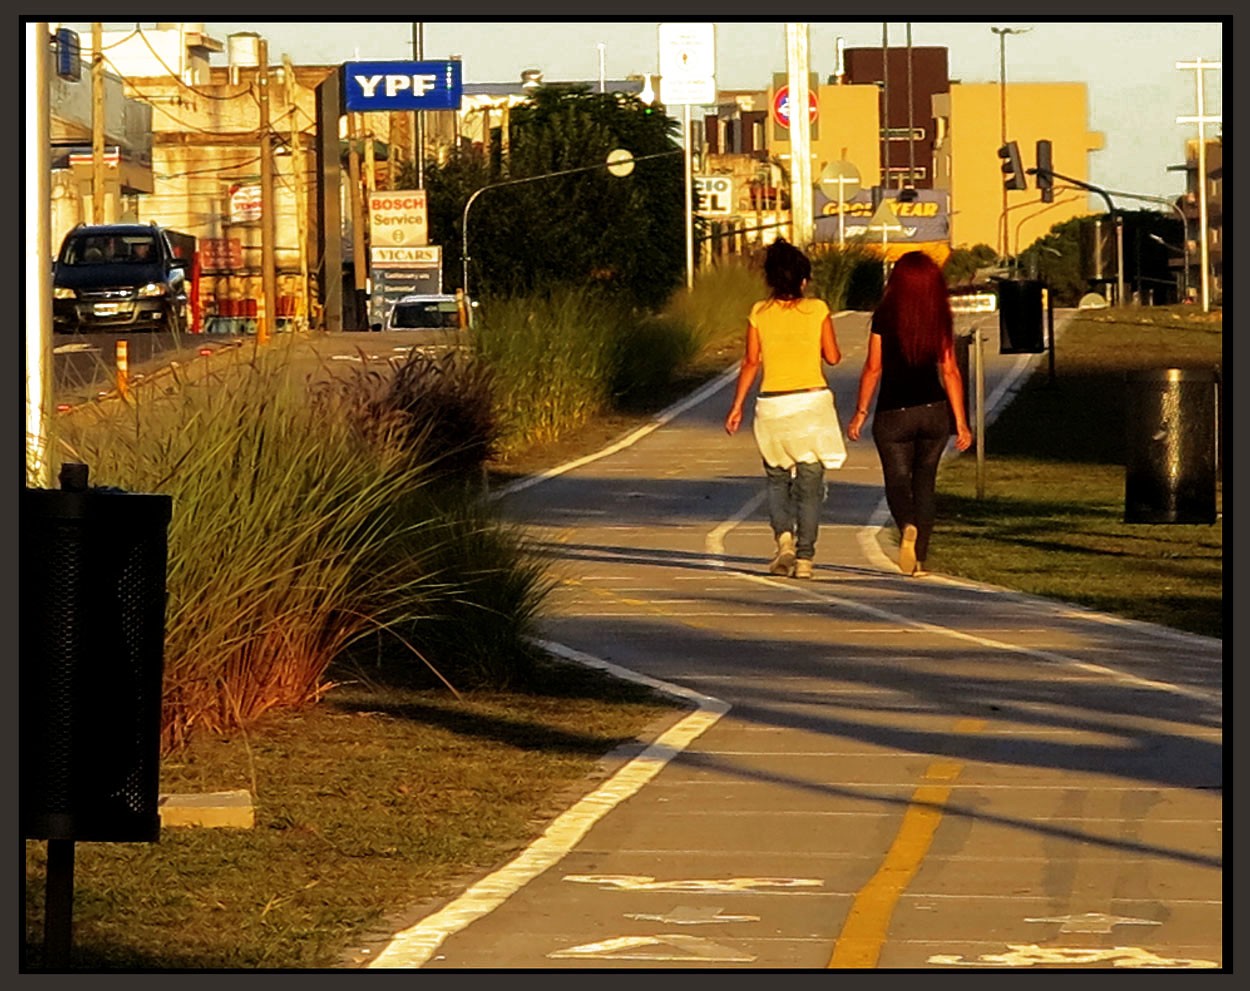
(863, 934)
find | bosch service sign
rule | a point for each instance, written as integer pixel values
(397, 218)
(402, 85)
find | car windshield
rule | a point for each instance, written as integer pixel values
(425, 314)
(91, 249)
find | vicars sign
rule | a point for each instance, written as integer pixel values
(397, 218)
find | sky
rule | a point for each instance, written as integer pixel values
(1136, 92)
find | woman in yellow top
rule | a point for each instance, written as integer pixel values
(796, 426)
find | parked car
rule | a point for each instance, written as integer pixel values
(426, 311)
(118, 277)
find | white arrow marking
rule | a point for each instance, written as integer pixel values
(631, 948)
(76, 348)
(1094, 922)
(1032, 955)
(639, 882)
(685, 915)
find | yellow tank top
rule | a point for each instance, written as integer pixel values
(790, 343)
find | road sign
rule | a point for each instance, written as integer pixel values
(839, 181)
(402, 85)
(713, 195)
(620, 162)
(687, 64)
(781, 106)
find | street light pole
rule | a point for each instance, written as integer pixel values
(1002, 97)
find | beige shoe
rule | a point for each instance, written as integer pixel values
(919, 571)
(783, 562)
(907, 550)
(802, 568)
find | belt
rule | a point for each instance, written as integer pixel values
(793, 392)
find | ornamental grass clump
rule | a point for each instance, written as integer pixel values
(847, 277)
(715, 308)
(551, 357)
(283, 546)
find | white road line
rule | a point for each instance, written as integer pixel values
(414, 946)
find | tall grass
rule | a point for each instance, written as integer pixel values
(552, 358)
(847, 277)
(716, 307)
(283, 547)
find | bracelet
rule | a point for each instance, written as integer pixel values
(861, 412)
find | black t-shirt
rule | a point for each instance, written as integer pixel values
(903, 384)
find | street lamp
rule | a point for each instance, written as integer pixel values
(1184, 251)
(1002, 96)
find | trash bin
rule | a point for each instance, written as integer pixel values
(91, 651)
(963, 347)
(1170, 462)
(1020, 317)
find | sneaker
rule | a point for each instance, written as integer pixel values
(783, 562)
(803, 568)
(907, 550)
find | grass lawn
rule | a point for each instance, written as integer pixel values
(1051, 521)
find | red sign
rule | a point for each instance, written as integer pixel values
(218, 253)
(781, 106)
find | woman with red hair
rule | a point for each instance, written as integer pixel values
(911, 355)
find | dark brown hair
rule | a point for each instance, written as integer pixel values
(785, 270)
(917, 304)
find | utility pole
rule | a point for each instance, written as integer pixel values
(418, 121)
(359, 264)
(300, 184)
(97, 123)
(797, 61)
(38, 280)
(1002, 96)
(267, 304)
(1201, 118)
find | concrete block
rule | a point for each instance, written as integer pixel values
(231, 809)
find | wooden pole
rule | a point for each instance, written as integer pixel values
(268, 302)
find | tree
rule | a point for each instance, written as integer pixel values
(624, 234)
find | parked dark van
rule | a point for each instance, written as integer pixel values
(118, 277)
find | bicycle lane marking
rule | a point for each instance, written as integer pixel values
(414, 946)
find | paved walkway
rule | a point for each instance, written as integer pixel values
(876, 771)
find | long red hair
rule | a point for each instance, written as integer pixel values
(917, 304)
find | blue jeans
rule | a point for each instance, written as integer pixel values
(794, 503)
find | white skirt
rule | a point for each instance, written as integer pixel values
(799, 427)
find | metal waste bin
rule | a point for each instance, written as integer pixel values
(91, 652)
(1020, 325)
(1170, 462)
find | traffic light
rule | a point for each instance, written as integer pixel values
(1044, 173)
(1013, 170)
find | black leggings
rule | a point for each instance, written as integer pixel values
(910, 442)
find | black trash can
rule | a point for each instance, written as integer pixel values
(963, 347)
(1170, 462)
(92, 571)
(1020, 325)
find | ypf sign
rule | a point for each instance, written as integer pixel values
(398, 218)
(402, 85)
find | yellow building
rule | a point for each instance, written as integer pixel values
(966, 162)
(845, 130)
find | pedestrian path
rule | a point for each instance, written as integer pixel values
(874, 772)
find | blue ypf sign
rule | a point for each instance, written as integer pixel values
(402, 85)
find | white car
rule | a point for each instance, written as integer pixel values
(426, 312)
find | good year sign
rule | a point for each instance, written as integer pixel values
(402, 85)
